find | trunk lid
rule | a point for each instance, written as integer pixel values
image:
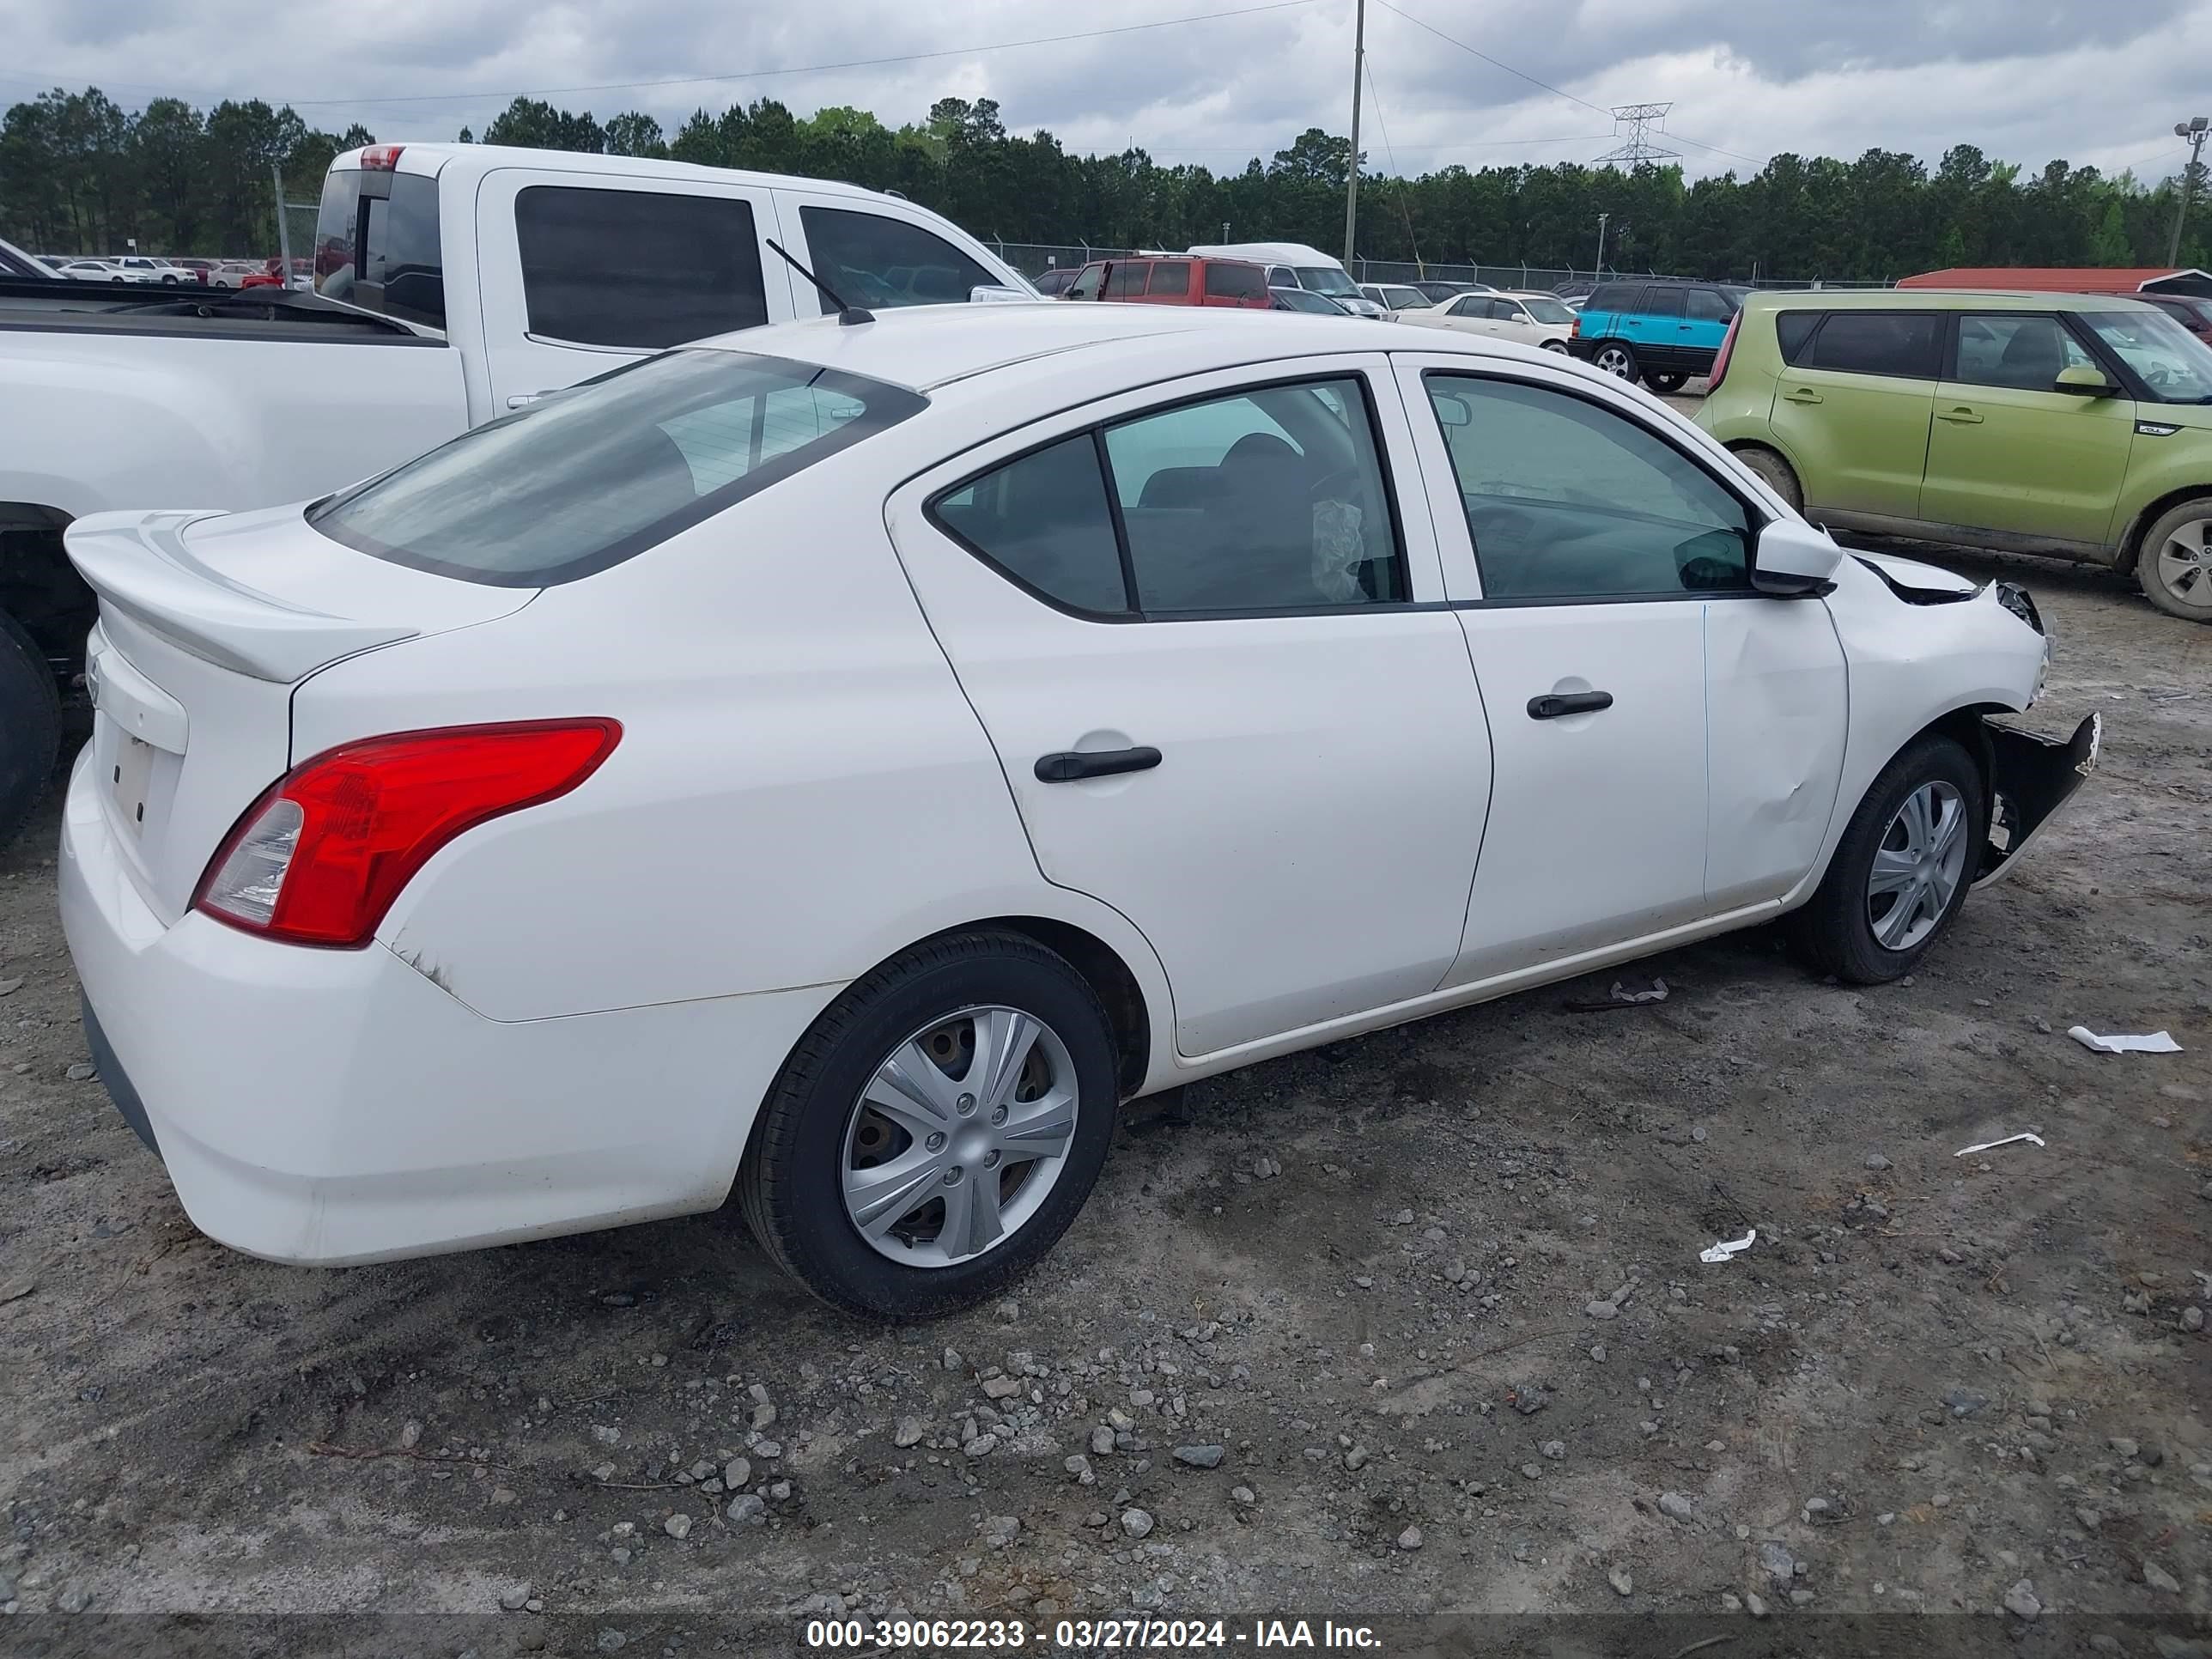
(208, 622)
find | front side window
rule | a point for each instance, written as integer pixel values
(1268, 499)
(1231, 282)
(2173, 363)
(874, 260)
(636, 268)
(2017, 349)
(1171, 277)
(1087, 285)
(1904, 344)
(599, 473)
(1568, 501)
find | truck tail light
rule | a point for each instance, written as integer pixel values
(1721, 357)
(381, 158)
(319, 859)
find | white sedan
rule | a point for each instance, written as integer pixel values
(844, 761)
(1536, 319)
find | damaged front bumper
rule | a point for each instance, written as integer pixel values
(2031, 777)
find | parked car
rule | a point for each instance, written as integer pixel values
(1173, 279)
(1658, 328)
(574, 265)
(1056, 282)
(204, 269)
(2078, 426)
(1299, 299)
(1535, 320)
(1294, 264)
(1438, 292)
(104, 270)
(1135, 602)
(1396, 297)
(147, 269)
(2192, 311)
(1576, 291)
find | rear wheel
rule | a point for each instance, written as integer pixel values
(30, 727)
(1901, 871)
(1559, 346)
(937, 1130)
(1616, 358)
(1777, 474)
(1665, 384)
(2174, 564)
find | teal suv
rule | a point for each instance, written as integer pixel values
(1657, 329)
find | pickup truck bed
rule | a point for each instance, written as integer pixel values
(210, 313)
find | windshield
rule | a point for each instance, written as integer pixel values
(2173, 363)
(1327, 279)
(1548, 311)
(595, 475)
(1299, 299)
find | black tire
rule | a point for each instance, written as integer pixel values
(30, 727)
(1559, 346)
(2173, 589)
(789, 1187)
(1779, 475)
(1616, 358)
(1834, 934)
(1665, 384)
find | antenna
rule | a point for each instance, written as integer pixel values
(1642, 120)
(847, 315)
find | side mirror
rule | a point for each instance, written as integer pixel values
(1792, 561)
(2084, 381)
(996, 294)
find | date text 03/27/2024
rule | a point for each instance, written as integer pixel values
(1085, 1635)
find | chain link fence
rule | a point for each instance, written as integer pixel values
(1034, 259)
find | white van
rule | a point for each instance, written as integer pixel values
(1293, 265)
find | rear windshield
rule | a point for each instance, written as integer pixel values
(377, 246)
(595, 475)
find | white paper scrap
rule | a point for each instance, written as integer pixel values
(1727, 1248)
(2158, 1042)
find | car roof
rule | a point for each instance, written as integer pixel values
(1274, 253)
(1936, 298)
(430, 156)
(925, 348)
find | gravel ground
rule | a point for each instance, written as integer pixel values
(1408, 1324)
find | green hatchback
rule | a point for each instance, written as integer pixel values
(2078, 426)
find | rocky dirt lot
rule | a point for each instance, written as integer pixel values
(1409, 1325)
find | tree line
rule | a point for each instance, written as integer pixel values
(78, 174)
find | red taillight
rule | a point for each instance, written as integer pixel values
(1721, 357)
(319, 859)
(1576, 332)
(381, 158)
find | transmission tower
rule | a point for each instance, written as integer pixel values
(1635, 125)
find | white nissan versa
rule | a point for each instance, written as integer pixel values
(847, 759)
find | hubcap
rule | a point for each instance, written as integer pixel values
(2185, 564)
(1917, 866)
(1613, 361)
(958, 1138)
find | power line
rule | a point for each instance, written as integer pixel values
(1734, 155)
(1639, 150)
(759, 74)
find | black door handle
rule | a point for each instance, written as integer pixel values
(1071, 767)
(1554, 704)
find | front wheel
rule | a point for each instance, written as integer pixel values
(1901, 871)
(1616, 358)
(2175, 562)
(937, 1130)
(1665, 384)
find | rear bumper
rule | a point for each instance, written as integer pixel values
(326, 1107)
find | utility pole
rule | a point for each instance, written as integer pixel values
(1352, 180)
(283, 230)
(2193, 129)
(1597, 272)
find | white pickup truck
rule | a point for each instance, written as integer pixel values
(454, 284)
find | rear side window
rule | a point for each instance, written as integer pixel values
(1228, 281)
(643, 269)
(588, 477)
(1662, 302)
(1791, 330)
(1128, 280)
(1044, 522)
(1170, 276)
(377, 245)
(1901, 343)
(1615, 296)
(872, 259)
(1709, 305)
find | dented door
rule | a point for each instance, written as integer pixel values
(1776, 708)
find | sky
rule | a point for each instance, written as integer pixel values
(1217, 82)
